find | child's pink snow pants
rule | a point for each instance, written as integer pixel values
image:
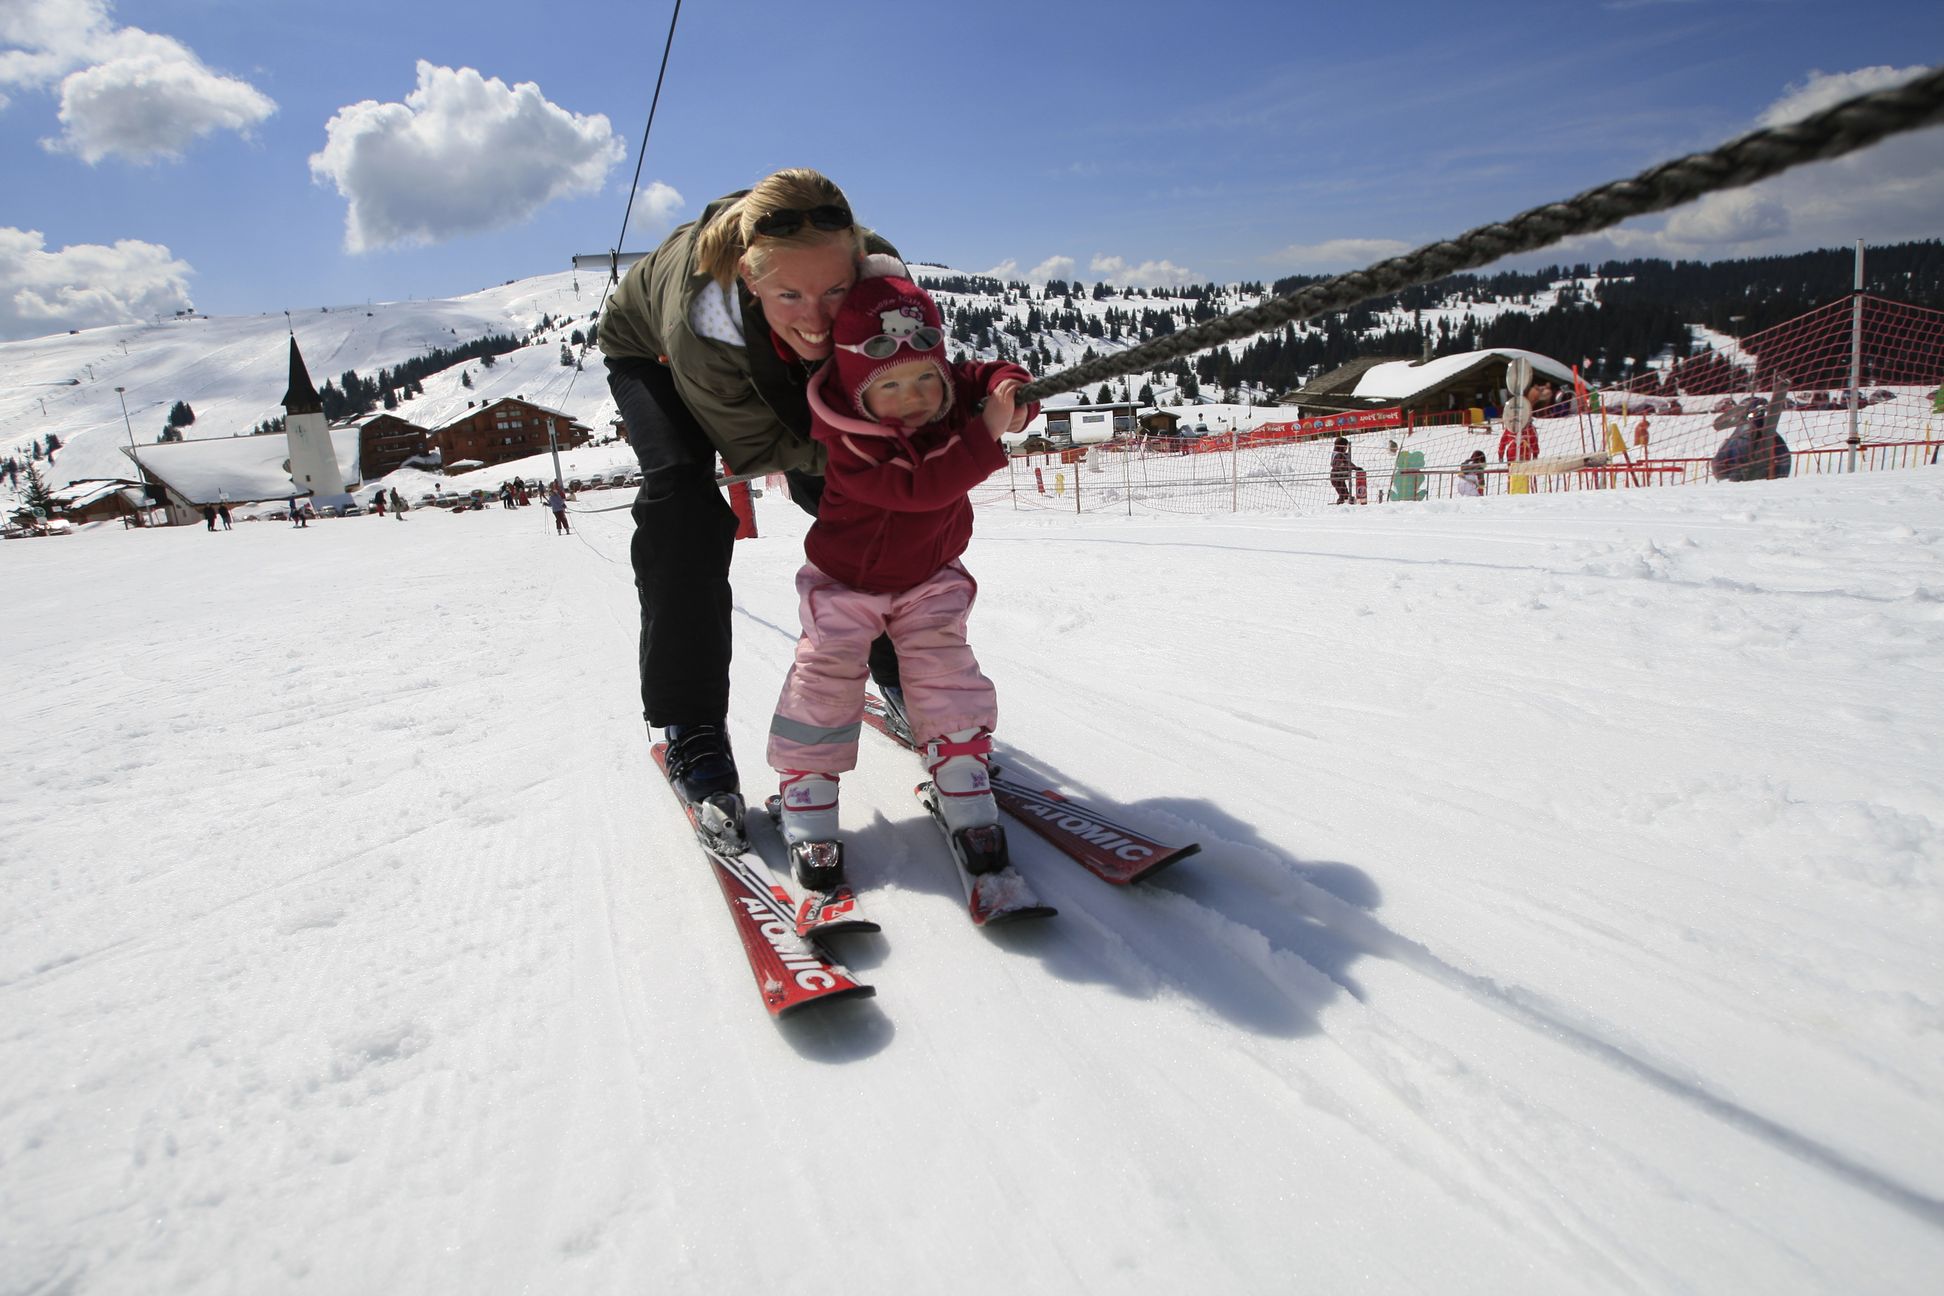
(819, 715)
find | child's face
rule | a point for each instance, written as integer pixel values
(911, 393)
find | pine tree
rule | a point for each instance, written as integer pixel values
(37, 496)
(180, 415)
(465, 379)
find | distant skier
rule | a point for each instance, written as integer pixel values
(557, 501)
(908, 440)
(1342, 471)
(398, 504)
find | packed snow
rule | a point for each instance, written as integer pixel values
(1569, 916)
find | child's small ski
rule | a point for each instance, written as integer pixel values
(1110, 850)
(994, 890)
(831, 912)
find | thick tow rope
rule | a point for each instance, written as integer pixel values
(1850, 125)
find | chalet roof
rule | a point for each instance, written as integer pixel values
(1400, 380)
(1342, 380)
(237, 468)
(484, 406)
(381, 419)
(80, 494)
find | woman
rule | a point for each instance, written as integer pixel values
(709, 342)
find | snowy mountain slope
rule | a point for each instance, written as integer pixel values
(1567, 918)
(232, 371)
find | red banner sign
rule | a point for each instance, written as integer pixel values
(1350, 421)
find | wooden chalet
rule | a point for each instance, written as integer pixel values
(510, 427)
(386, 442)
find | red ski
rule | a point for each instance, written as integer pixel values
(791, 972)
(1110, 850)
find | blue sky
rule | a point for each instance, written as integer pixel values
(254, 155)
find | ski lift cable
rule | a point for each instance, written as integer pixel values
(634, 187)
(1853, 124)
(641, 156)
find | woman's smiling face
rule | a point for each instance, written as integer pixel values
(801, 292)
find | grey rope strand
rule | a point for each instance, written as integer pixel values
(1848, 126)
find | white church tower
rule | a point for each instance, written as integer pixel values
(313, 460)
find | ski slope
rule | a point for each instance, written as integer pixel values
(1568, 918)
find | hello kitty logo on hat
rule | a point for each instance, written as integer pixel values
(900, 322)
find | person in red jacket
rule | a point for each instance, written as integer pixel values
(908, 436)
(1517, 444)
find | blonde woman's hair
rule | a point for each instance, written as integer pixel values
(730, 242)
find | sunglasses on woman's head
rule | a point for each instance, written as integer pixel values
(788, 220)
(884, 346)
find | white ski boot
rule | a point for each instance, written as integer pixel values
(806, 811)
(958, 764)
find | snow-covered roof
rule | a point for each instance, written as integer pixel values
(485, 405)
(80, 494)
(238, 468)
(1403, 379)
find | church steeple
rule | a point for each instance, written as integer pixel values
(302, 397)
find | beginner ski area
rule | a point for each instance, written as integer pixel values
(1569, 916)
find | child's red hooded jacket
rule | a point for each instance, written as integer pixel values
(894, 503)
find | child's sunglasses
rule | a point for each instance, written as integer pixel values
(788, 220)
(884, 346)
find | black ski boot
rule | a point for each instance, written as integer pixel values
(703, 771)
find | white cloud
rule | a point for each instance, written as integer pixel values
(123, 92)
(46, 39)
(1891, 192)
(463, 154)
(1736, 216)
(1054, 267)
(84, 285)
(1337, 255)
(1827, 89)
(1148, 274)
(656, 205)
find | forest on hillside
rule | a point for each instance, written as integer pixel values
(1611, 319)
(1637, 310)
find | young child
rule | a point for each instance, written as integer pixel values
(907, 441)
(1341, 470)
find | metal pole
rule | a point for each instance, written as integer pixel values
(1856, 356)
(131, 440)
(1127, 473)
(1235, 476)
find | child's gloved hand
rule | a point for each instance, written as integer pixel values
(999, 413)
